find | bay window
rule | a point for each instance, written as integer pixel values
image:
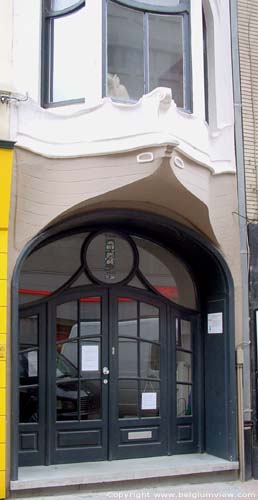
(148, 47)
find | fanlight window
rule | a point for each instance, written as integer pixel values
(105, 258)
(147, 46)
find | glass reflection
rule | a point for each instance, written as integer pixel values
(186, 340)
(127, 357)
(150, 360)
(127, 317)
(28, 333)
(67, 401)
(125, 78)
(149, 322)
(67, 360)
(90, 316)
(183, 366)
(128, 399)
(66, 321)
(184, 400)
(28, 367)
(28, 404)
(90, 400)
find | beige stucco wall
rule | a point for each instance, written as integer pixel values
(248, 49)
(46, 191)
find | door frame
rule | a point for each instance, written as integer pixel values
(168, 354)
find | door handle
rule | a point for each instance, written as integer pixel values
(105, 370)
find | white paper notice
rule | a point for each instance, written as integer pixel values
(215, 323)
(149, 400)
(33, 363)
(90, 358)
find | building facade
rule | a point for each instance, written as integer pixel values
(249, 83)
(122, 274)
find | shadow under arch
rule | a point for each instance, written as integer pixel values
(216, 294)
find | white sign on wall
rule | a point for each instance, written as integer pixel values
(215, 323)
(90, 358)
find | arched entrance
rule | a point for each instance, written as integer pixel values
(115, 356)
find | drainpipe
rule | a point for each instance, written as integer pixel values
(244, 346)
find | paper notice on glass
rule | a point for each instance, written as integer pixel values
(90, 358)
(33, 363)
(149, 400)
(215, 323)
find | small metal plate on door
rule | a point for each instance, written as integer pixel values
(140, 435)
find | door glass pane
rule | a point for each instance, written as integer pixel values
(185, 337)
(28, 333)
(29, 367)
(90, 316)
(150, 398)
(127, 358)
(28, 404)
(68, 71)
(128, 398)
(183, 366)
(67, 360)
(127, 317)
(149, 322)
(90, 357)
(150, 360)
(184, 400)
(67, 401)
(90, 399)
(66, 321)
(166, 55)
(125, 79)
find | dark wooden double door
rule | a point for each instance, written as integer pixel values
(106, 374)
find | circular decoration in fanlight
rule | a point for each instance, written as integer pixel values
(110, 258)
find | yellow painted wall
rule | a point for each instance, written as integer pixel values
(6, 158)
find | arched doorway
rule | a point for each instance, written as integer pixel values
(123, 365)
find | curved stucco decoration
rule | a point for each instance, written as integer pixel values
(110, 127)
(45, 189)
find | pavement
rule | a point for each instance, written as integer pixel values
(217, 490)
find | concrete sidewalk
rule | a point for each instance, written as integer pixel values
(217, 490)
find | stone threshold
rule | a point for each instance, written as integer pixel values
(107, 472)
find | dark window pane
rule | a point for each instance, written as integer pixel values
(90, 316)
(166, 273)
(109, 258)
(127, 317)
(68, 68)
(150, 360)
(184, 400)
(67, 321)
(57, 5)
(183, 366)
(150, 399)
(67, 360)
(127, 358)
(90, 399)
(67, 401)
(29, 367)
(125, 79)
(90, 357)
(186, 336)
(50, 267)
(28, 404)
(28, 334)
(128, 398)
(149, 322)
(166, 55)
